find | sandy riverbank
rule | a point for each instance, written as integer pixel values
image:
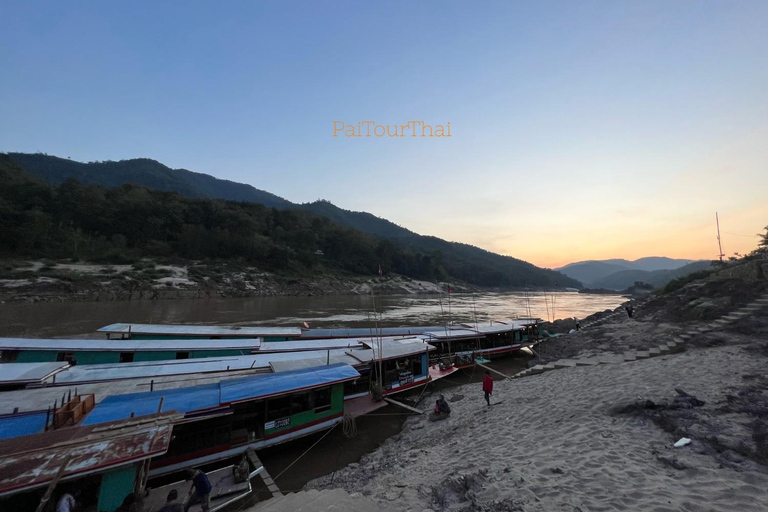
(591, 438)
(573, 440)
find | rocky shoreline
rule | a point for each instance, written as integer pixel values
(58, 282)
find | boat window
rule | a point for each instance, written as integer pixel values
(279, 407)
(64, 356)
(8, 356)
(300, 403)
(126, 357)
(182, 355)
(322, 399)
(416, 368)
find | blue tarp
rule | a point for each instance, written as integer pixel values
(21, 425)
(209, 396)
(248, 388)
(120, 407)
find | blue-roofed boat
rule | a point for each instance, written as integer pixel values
(225, 419)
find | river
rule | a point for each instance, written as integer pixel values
(54, 319)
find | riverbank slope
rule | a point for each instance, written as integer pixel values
(601, 437)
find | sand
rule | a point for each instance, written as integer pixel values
(556, 442)
(336, 500)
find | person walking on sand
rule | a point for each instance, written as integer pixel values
(488, 386)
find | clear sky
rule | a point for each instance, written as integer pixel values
(579, 130)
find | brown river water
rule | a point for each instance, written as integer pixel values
(67, 319)
(294, 464)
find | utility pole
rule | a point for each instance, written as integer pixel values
(719, 243)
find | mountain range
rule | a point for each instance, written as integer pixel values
(619, 274)
(460, 261)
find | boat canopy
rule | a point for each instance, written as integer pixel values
(29, 373)
(366, 332)
(210, 397)
(75, 345)
(200, 330)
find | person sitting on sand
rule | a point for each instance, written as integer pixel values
(488, 386)
(442, 406)
(441, 411)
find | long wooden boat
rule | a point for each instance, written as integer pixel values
(86, 351)
(457, 345)
(214, 332)
(226, 419)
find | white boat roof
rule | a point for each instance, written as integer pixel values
(326, 359)
(105, 380)
(27, 373)
(392, 349)
(88, 374)
(451, 334)
(301, 345)
(199, 330)
(71, 345)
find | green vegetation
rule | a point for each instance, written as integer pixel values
(113, 220)
(127, 223)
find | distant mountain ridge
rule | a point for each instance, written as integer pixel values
(462, 261)
(618, 274)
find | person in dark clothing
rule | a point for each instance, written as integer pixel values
(441, 406)
(442, 410)
(488, 386)
(200, 492)
(630, 310)
(171, 503)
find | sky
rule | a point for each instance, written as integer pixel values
(579, 130)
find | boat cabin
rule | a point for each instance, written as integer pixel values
(72, 351)
(225, 419)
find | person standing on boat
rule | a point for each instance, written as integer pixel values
(488, 386)
(200, 492)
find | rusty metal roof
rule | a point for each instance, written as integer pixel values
(33, 461)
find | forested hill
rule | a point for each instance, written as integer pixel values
(115, 216)
(142, 171)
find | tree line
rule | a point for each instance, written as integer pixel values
(129, 222)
